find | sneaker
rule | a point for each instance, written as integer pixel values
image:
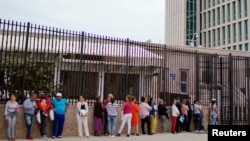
(60, 137)
(113, 136)
(44, 137)
(53, 137)
(202, 131)
(196, 131)
(29, 138)
(110, 136)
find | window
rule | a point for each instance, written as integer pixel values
(209, 39)
(240, 47)
(228, 48)
(205, 20)
(246, 8)
(240, 31)
(218, 38)
(205, 4)
(214, 17)
(224, 36)
(164, 79)
(228, 12)
(214, 2)
(209, 19)
(223, 14)
(235, 32)
(228, 34)
(184, 81)
(214, 39)
(234, 10)
(240, 8)
(218, 16)
(234, 47)
(246, 47)
(204, 39)
(246, 29)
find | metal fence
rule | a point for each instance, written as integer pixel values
(35, 57)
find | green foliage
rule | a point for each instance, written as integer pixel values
(20, 76)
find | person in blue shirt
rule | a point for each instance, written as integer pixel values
(59, 105)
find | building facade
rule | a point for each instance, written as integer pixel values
(220, 24)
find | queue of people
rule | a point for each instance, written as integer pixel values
(132, 113)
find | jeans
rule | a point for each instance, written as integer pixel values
(58, 124)
(111, 124)
(163, 119)
(11, 124)
(199, 120)
(213, 119)
(28, 121)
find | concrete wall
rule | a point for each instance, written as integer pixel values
(70, 126)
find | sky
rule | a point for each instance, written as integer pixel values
(138, 20)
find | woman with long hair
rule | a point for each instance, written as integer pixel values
(213, 112)
(112, 110)
(127, 115)
(135, 117)
(98, 116)
(82, 116)
(10, 114)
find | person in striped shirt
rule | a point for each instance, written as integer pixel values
(112, 109)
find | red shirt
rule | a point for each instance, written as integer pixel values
(46, 100)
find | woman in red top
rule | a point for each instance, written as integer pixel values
(127, 115)
(135, 117)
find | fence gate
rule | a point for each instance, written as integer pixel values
(220, 77)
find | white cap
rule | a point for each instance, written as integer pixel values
(58, 94)
(213, 99)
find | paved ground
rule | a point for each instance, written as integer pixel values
(155, 137)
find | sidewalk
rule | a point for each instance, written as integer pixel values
(156, 137)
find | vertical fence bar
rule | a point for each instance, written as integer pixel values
(25, 56)
(248, 90)
(230, 73)
(197, 96)
(127, 61)
(80, 69)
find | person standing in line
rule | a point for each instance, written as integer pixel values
(178, 105)
(105, 103)
(44, 105)
(29, 107)
(82, 116)
(175, 114)
(59, 105)
(184, 113)
(152, 116)
(10, 114)
(163, 115)
(213, 112)
(98, 116)
(190, 113)
(135, 117)
(198, 117)
(112, 110)
(127, 115)
(144, 115)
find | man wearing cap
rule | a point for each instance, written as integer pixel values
(44, 105)
(59, 105)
